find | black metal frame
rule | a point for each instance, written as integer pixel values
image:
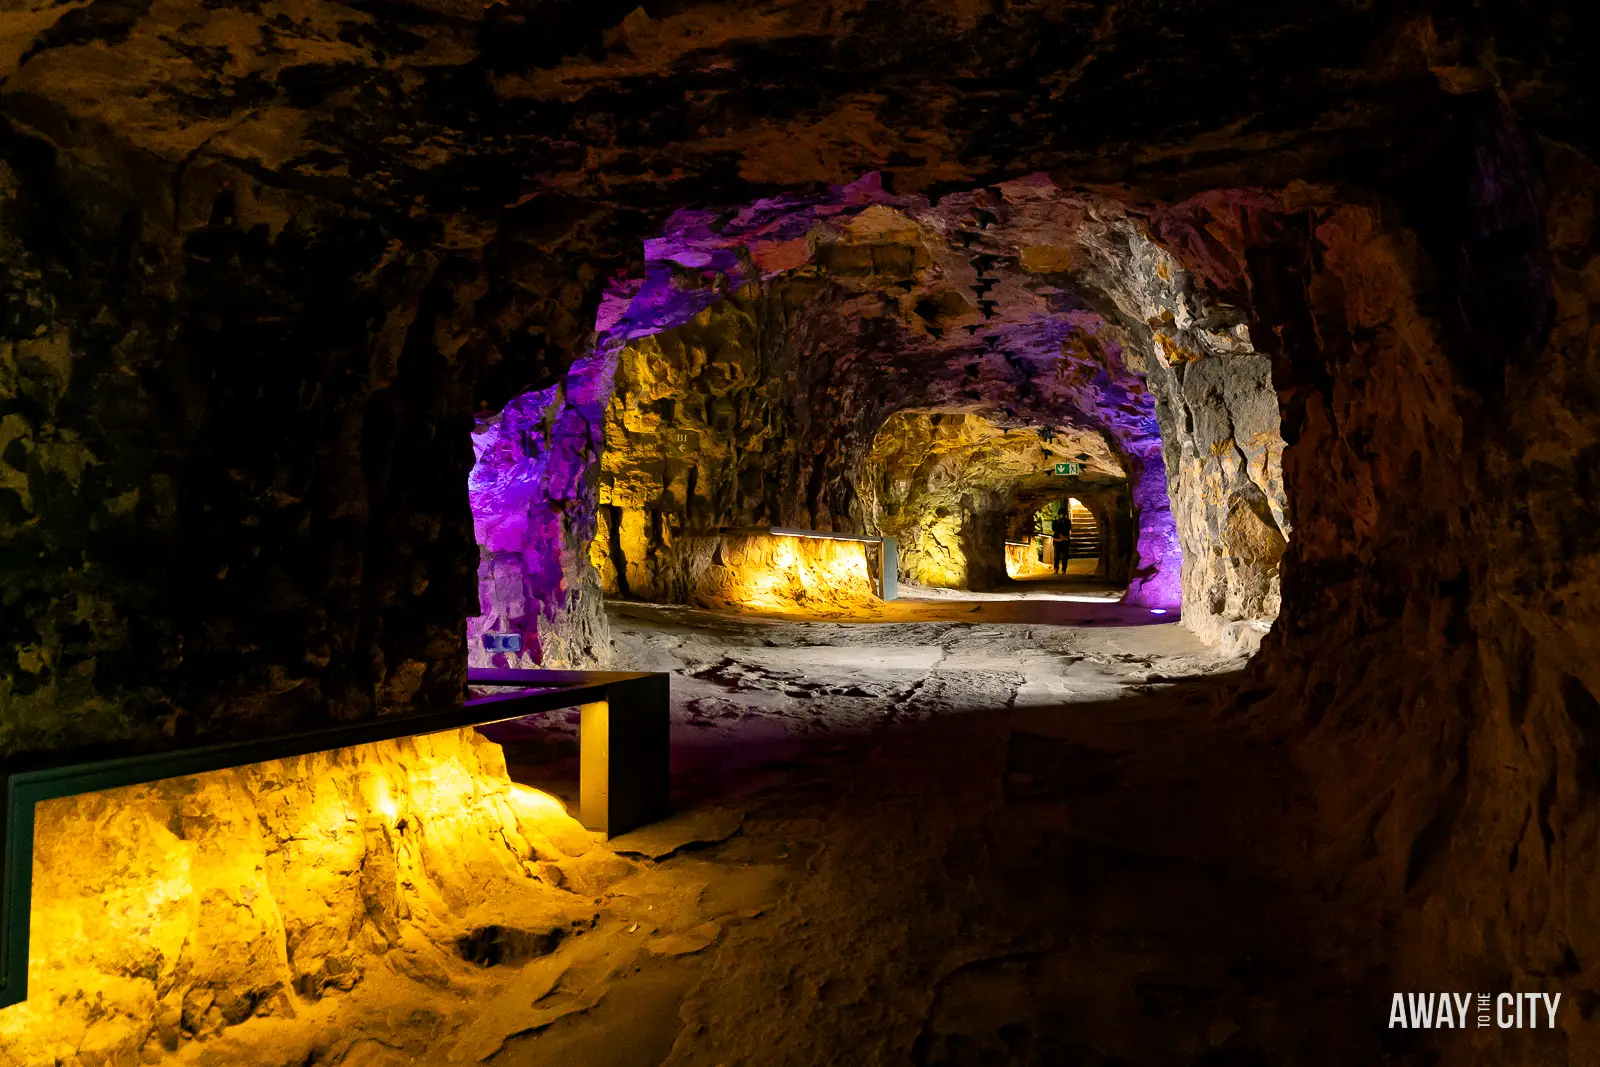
(623, 753)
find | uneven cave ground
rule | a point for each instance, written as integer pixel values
(1009, 817)
(981, 837)
(997, 818)
(1006, 828)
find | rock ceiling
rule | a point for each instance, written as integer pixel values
(552, 136)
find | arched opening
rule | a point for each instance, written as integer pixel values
(855, 389)
(1059, 540)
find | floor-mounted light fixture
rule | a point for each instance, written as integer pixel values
(502, 642)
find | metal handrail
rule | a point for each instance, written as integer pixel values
(789, 531)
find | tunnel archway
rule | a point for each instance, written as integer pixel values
(1038, 552)
(784, 378)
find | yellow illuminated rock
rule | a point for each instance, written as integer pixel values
(1022, 561)
(172, 912)
(932, 479)
(778, 573)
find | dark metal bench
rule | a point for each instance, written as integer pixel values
(623, 760)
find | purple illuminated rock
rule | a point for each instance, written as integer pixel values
(533, 509)
(806, 322)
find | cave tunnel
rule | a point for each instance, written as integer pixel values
(854, 388)
(373, 373)
(1034, 552)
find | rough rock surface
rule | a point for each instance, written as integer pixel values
(939, 483)
(731, 381)
(1224, 460)
(378, 905)
(532, 491)
(397, 205)
(1456, 732)
(762, 572)
(850, 309)
(265, 260)
(170, 913)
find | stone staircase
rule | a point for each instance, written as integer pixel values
(1085, 538)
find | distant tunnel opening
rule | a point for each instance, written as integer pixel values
(1062, 541)
(257, 290)
(848, 384)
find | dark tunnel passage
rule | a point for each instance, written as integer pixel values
(858, 390)
(346, 346)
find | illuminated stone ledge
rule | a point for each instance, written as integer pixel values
(172, 895)
(176, 910)
(779, 569)
(1022, 560)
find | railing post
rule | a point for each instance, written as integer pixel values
(17, 805)
(624, 756)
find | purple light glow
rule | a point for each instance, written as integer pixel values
(533, 507)
(533, 488)
(533, 502)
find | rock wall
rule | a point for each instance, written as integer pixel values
(265, 260)
(174, 912)
(533, 491)
(1219, 472)
(818, 576)
(1224, 455)
(1438, 591)
(1022, 561)
(235, 443)
(731, 381)
(1072, 300)
(948, 486)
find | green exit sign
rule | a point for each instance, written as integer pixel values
(1068, 468)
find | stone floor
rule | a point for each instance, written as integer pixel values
(1001, 829)
(1010, 830)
